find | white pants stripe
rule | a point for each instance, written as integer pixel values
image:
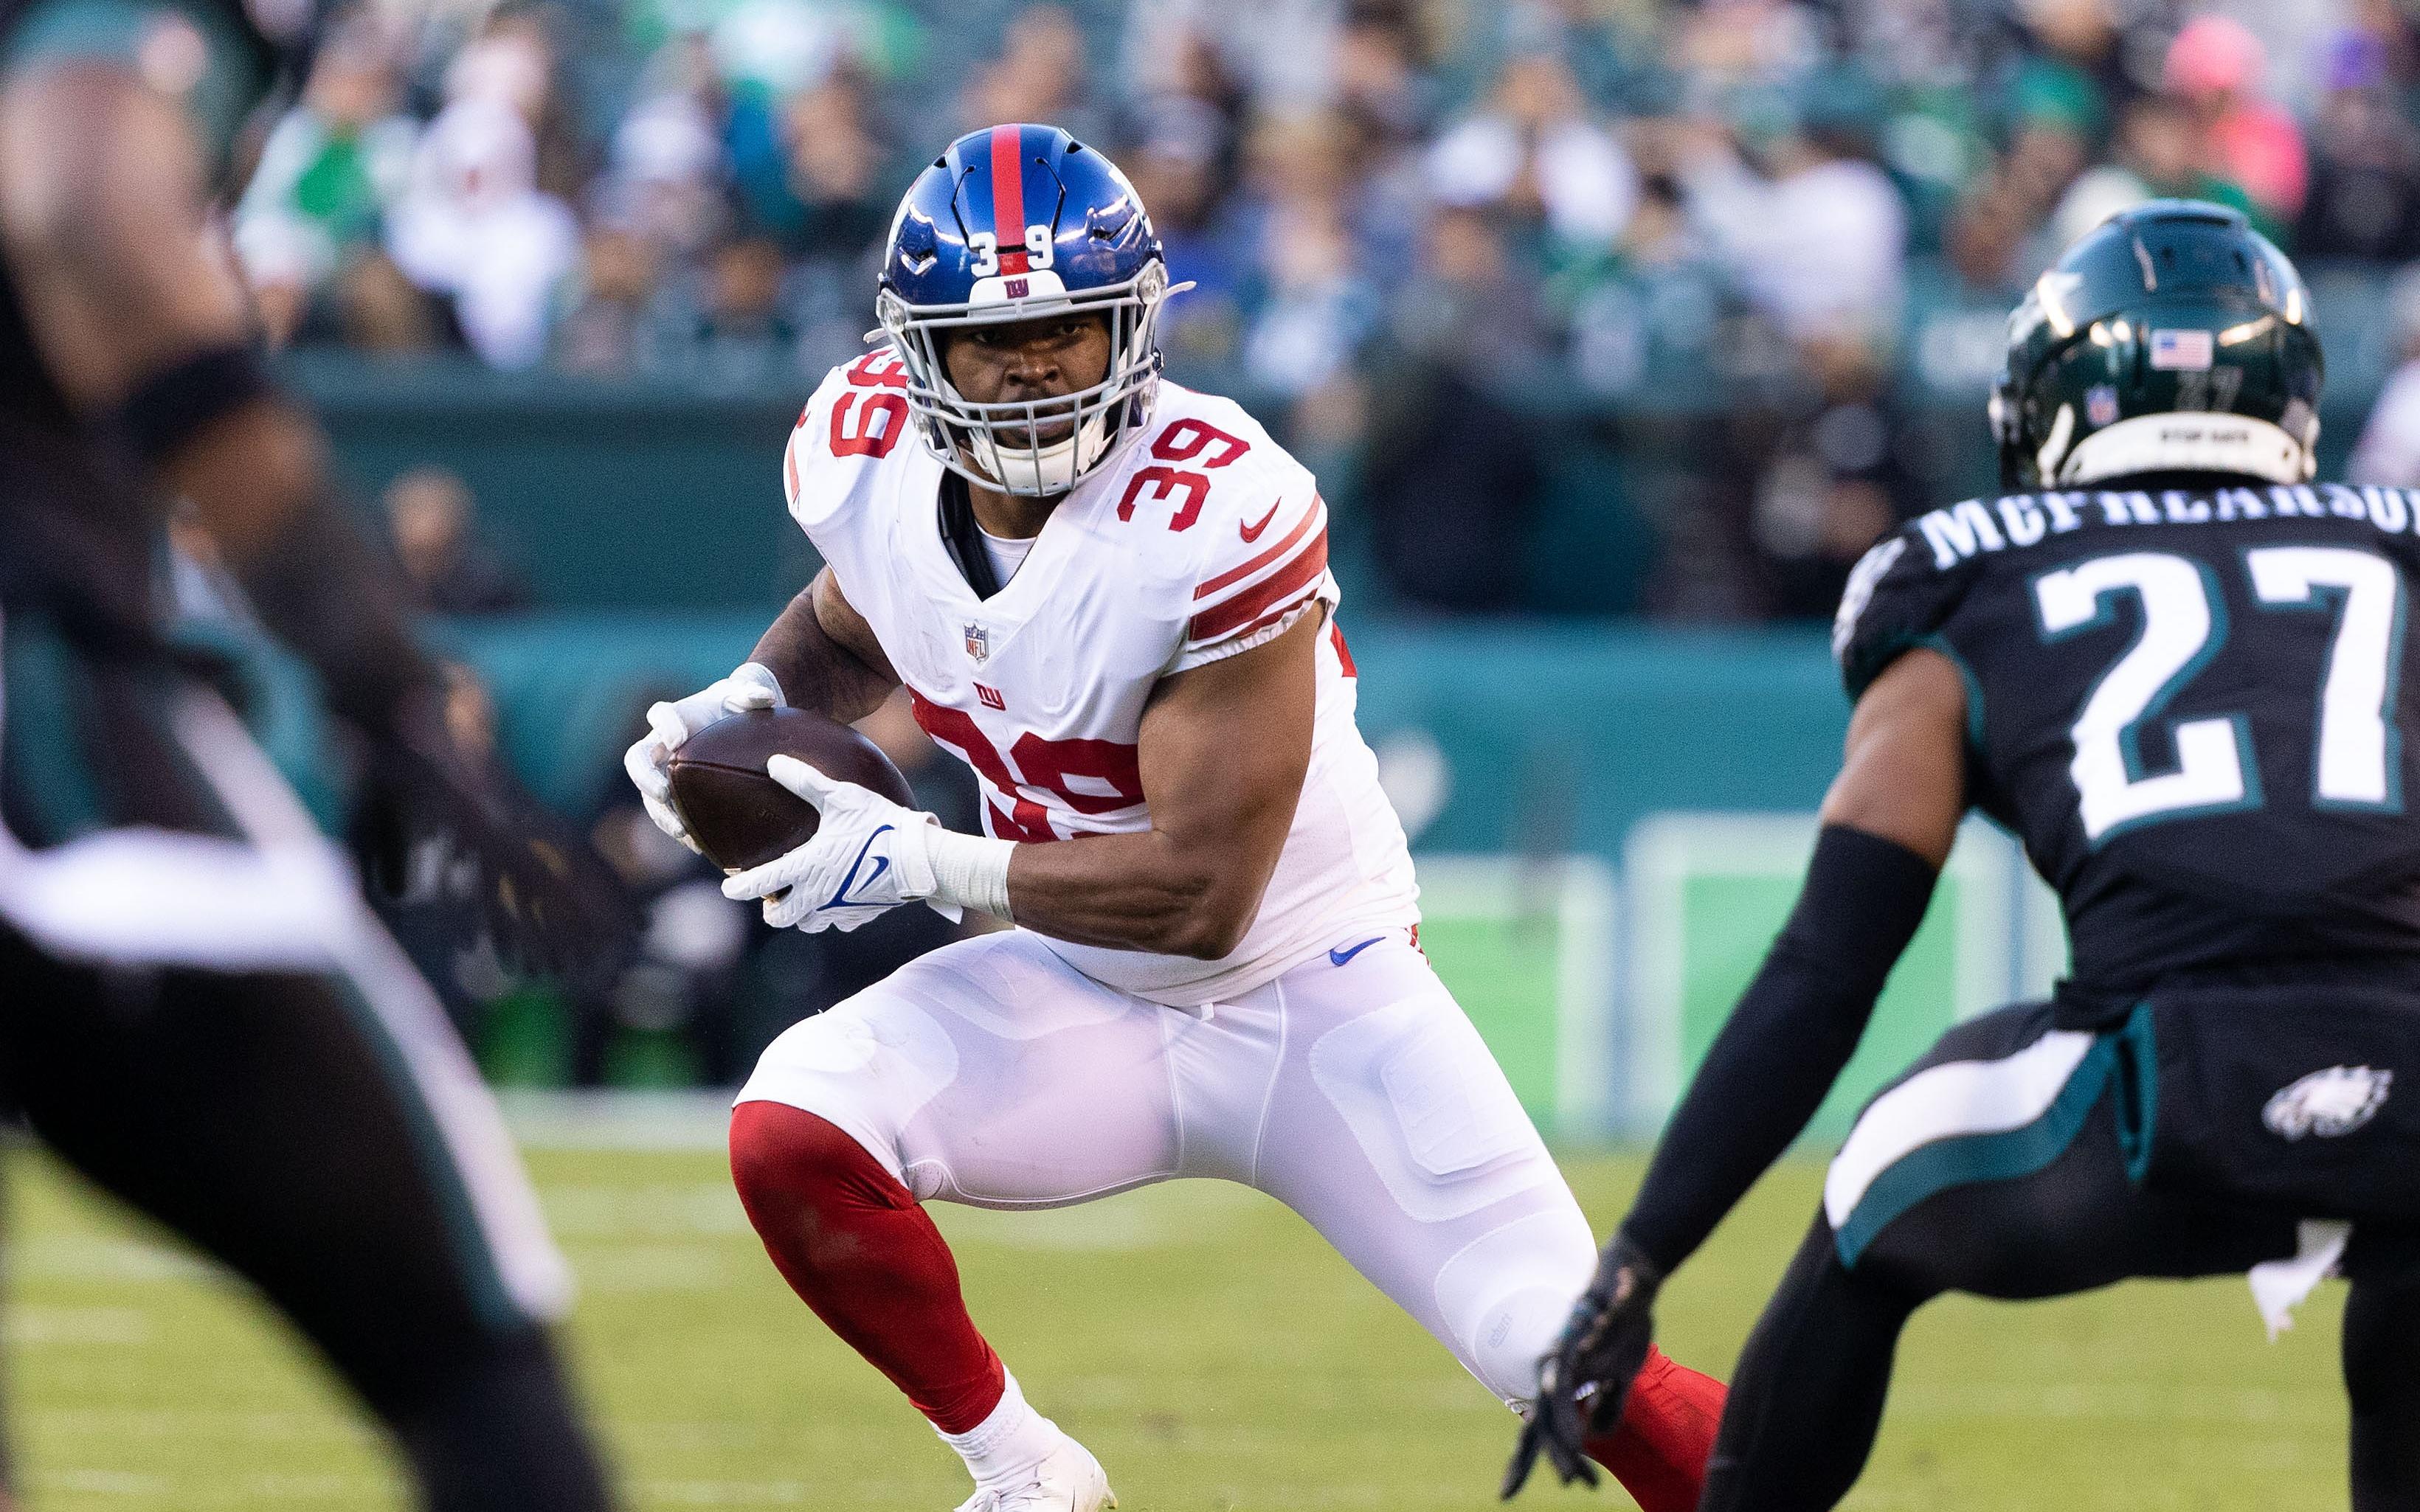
(1948, 1102)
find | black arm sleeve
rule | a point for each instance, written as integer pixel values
(1785, 1044)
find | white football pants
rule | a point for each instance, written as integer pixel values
(1351, 1089)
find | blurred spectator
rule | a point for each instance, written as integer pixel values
(1282, 49)
(1379, 84)
(2214, 67)
(512, 63)
(1454, 469)
(1819, 245)
(1835, 481)
(2365, 197)
(741, 337)
(2073, 69)
(2159, 157)
(824, 200)
(1533, 151)
(1039, 76)
(607, 326)
(2388, 452)
(1986, 241)
(474, 229)
(433, 524)
(1176, 171)
(1317, 310)
(328, 172)
(1733, 56)
(665, 178)
(1647, 308)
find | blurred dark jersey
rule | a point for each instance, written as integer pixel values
(2187, 700)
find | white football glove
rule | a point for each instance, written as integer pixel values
(868, 857)
(669, 725)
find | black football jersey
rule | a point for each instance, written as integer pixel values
(2187, 700)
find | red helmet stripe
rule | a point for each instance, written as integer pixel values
(1008, 189)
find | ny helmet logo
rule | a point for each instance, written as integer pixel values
(979, 642)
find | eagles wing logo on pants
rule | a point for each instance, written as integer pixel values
(2329, 1103)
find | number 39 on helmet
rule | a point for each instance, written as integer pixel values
(1022, 222)
(2171, 338)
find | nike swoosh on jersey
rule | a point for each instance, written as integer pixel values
(1337, 958)
(1252, 533)
(881, 864)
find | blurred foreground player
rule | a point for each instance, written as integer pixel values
(197, 1010)
(1109, 596)
(2175, 669)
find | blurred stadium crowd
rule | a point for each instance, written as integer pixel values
(1423, 232)
(1576, 307)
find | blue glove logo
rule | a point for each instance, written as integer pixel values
(881, 864)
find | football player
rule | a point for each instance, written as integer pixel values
(2172, 666)
(197, 1010)
(1109, 596)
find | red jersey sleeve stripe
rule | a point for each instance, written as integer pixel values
(790, 470)
(1233, 575)
(1306, 569)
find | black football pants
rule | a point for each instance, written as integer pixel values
(200, 1015)
(1808, 1398)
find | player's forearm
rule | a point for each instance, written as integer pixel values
(1785, 1044)
(1136, 893)
(817, 672)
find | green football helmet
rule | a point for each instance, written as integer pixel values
(2172, 337)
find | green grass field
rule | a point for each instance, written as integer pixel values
(1198, 1337)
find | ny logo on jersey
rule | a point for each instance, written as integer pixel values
(979, 642)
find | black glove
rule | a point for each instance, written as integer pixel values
(1583, 1383)
(438, 822)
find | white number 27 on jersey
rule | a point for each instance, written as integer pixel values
(2184, 621)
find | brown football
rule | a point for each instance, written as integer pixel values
(738, 815)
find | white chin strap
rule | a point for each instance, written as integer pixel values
(2184, 441)
(1041, 470)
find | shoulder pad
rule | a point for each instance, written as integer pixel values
(1244, 515)
(1897, 598)
(857, 417)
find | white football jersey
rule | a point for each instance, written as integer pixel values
(1199, 538)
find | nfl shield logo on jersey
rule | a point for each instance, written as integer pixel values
(2101, 405)
(979, 642)
(2329, 1103)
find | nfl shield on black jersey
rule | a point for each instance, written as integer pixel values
(2188, 701)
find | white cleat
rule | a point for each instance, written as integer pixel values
(1068, 1480)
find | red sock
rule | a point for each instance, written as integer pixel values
(1667, 1430)
(855, 1246)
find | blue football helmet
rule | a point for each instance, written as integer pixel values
(1020, 223)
